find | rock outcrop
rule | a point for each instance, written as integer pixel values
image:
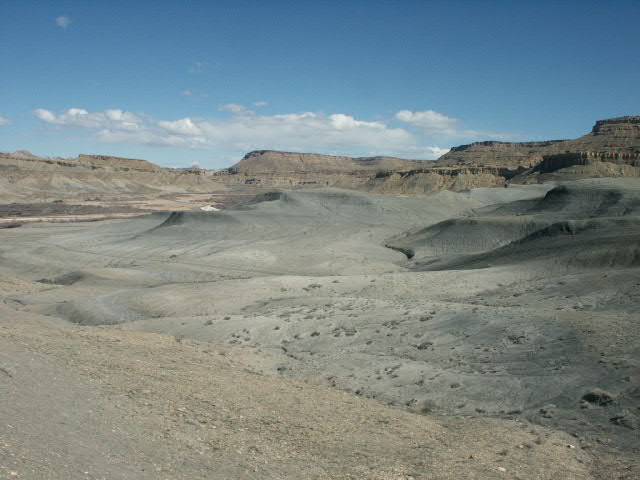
(614, 138)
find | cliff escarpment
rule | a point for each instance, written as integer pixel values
(614, 138)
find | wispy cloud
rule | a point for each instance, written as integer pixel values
(260, 104)
(63, 21)
(193, 94)
(197, 67)
(439, 125)
(4, 121)
(234, 108)
(430, 121)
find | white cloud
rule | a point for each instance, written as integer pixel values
(430, 121)
(184, 126)
(63, 21)
(234, 108)
(4, 121)
(197, 67)
(45, 115)
(244, 131)
(307, 131)
(260, 104)
(435, 152)
(121, 116)
(341, 121)
(439, 125)
(79, 117)
(187, 92)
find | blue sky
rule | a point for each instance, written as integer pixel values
(182, 82)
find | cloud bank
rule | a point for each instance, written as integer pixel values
(243, 130)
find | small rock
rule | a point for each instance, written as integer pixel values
(598, 397)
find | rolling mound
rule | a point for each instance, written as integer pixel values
(589, 199)
(588, 224)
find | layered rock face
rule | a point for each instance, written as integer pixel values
(621, 127)
(435, 179)
(499, 154)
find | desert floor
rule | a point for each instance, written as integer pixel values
(327, 334)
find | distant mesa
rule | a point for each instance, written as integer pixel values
(270, 161)
(93, 162)
(610, 138)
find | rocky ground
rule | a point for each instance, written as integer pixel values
(330, 334)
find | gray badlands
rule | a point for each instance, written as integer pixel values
(323, 333)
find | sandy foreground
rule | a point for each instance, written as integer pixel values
(329, 334)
